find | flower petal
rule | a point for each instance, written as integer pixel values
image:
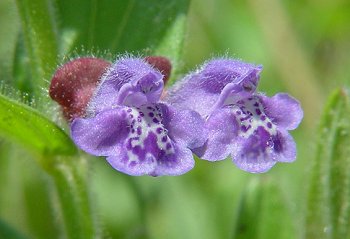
(255, 154)
(177, 163)
(130, 81)
(261, 151)
(201, 90)
(99, 135)
(180, 162)
(284, 147)
(283, 110)
(150, 148)
(131, 164)
(185, 126)
(137, 141)
(222, 130)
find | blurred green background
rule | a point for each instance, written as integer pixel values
(304, 46)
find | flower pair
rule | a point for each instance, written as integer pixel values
(214, 112)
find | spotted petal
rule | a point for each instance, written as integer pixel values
(261, 151)
(201, 90)
(255, 153)
(130, 81)
(179, 162)
(284, 110)
(141, 140)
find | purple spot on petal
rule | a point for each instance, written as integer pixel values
(159, 130)
(150, 114)
(263, 117)
(155, 120)
(168, 146)
(129, 110)
(131, 116)
(139, 130)
(269, 125)
(164, 138)
(277, 144)
(245, 128)
(238, 112)
(141, 114)
(258, 111)
(256, 104)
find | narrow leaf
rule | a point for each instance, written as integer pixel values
(28, 127)
(247, 220)
(262, 208)
(40, 37)
(328, 209)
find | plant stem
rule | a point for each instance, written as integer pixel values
(74, 199)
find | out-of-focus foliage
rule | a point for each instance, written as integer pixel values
(304, 48)
(329, 194)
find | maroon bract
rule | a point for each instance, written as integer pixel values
(162, 64)
(74, 83)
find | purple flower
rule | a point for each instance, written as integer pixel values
(129, 125)
(249, 126)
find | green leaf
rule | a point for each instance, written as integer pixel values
(8, 232)
(28, 127)
(149, 27)
(9, 26)
(39, 32)
(248, 214)
(263, 207)
(328, 209)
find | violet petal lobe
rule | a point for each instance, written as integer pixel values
(200, 90)
(284, 147)
(222, 130)
(137, 140)
(185, 126)
(98, 135)
(284, 110)
(252, 155)
(176, 163)
(261, 151)
(130, 81)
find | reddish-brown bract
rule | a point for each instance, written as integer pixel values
(74, 83)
